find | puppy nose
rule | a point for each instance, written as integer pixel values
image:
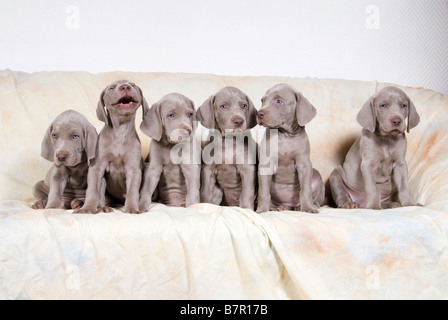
(62, 156)
(396, 122)
(125, 87)
(260, 114)
(238, 121)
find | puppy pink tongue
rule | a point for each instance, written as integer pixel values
(126, 105)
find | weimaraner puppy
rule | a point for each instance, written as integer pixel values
(119, 163)
(70, 142)
(374, 174)
(174, 166)
(291, 183)
(229, 169)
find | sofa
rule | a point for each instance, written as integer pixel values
(207, 251)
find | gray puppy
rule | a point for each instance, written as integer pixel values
(375, 174)
(229, 169)
(119, 164)
(293, 183)
(70, 142)
(170, 124)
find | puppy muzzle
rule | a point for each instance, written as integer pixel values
(65, 158)
(181, 135)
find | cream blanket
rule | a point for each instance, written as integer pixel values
(212, 252)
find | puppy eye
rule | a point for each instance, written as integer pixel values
(54, 135)
(75, 136)
(171, 115)
(404, 105)
(244, 106)
(280, 102)
(111, 87)
(190, 114)
(383, 106)
(223, 106)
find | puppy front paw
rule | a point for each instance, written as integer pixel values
(132, 210)
(309, 209)
(262, 208)
(40, 204)
(144, 206)
(350, 205)
(76, 204)
(86, 210)
(374, 207)
(104, 209)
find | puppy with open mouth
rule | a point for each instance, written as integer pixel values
(119, 163)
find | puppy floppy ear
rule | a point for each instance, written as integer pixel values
(413, 116)
(47, 150)
(145, 106)
(252, 117)
(152, 122)
(305, 111)
(366, 116)
(101, 112)
(206, 113)
(90, 142)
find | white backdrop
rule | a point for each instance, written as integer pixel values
(399, 41)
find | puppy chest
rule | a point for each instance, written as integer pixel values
(77, 181)
(385, 170)
(172, 176)
(120, 158)
(115, 165)
(286, 174)
(228, 176)
(285, 186)
(386, 163)
(286, 171)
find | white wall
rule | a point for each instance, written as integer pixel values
(399, 41)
